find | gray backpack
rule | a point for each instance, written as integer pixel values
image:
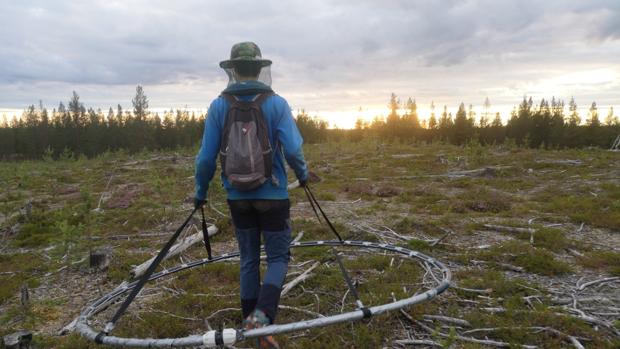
(245, 151)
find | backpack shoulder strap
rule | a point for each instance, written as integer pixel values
(230, 98)
(262, 97)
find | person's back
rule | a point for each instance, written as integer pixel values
(265, 207)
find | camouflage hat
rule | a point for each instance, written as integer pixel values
(244, 52)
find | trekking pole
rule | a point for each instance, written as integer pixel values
(314, 203)
(143, 279)
(205, 233)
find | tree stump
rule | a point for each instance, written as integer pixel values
(100, 258)
(18, 340)
(24, 295)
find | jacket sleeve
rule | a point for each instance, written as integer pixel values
(209, 149)
(291, 141)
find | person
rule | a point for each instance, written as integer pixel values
(264, 210)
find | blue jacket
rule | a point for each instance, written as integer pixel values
(282, 131)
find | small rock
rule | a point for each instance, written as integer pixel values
(18, 340)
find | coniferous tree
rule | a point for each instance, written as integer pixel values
(593, 134)
(557, 126)
(463, 127)
(432, 120)
(611, 119)
(497, 131)
(540, 126)
(486, 110)
(520, 124)
(593, 119)
(573, 116)
(445, 124)
(392, 122)
(140, 104)
(412, 114)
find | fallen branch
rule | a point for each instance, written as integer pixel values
(560, 162)
(224, 310)
(214, 208)
(128, 236)
(592, 320)
(508, 229)
(417, 342)
(574, 252)
(309, 312)
(170, 314)
(105, 191)
(565, 301)
(490, 171)
(572, 339)
(68, 328)
(583, 286)
(299, 236)
(183, 245)
(471, 339)
(306, 274)
(434, 243)
(449, 320)
(510, 267)
(471, 290)
(286, 307)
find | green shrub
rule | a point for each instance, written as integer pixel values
(606, 260)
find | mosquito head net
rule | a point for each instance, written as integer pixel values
(246, 64)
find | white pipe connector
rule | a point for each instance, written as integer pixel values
(212, 339)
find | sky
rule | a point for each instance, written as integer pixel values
(336, 59)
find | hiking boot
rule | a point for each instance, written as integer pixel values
(258, 319)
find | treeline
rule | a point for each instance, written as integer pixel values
(73, 130)
(545, 124)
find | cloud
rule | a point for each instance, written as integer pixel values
(322, 51)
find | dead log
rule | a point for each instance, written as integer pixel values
(175, 250)
(508, 229)
(18, 340)
(489, 171)
(576, 162)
